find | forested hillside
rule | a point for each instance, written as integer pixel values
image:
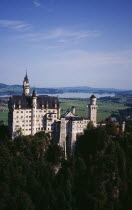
(98, 176)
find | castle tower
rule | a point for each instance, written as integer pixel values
(92, 115)
(34, 107)
(123, 126)
(73, 110)
(26, 86)
(58, 113)
(58, 110)
(63, 135)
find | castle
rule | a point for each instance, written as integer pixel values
(32, 114)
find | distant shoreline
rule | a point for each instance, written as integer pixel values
(70, 95)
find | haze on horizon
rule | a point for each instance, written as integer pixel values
(66, 43)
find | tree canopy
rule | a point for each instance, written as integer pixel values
(35, 176)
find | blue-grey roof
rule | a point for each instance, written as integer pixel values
(26, 101)
(93, 96)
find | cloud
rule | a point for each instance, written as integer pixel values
(61, 35)
(47, 47)
(15, 25)
(37, 3)
(82, 58)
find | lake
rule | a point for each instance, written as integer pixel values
(74, 95)
(80, 95)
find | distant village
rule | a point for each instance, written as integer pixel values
(4, 101)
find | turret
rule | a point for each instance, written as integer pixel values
(34, 95)
(73, 110)
(58, 112)
(58, 108)
(93, 100)
(123, 126)
(55, 104)
(34, 107)
(19, 104)
(92, 114)
(47, 105)
(26, 86)
(14, 105)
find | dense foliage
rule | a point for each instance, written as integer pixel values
(35, 176)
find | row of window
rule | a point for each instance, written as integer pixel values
(23, 117)
(80, 122)
(51, 129)
(51, 115)
(23, 111)
(30, 116)
(38, 129)
(40, 111)
(94, 108)
(23, 121)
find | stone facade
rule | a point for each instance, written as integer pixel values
(32, 113)
(71, 126)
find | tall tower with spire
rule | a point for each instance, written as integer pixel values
(92, 114)
(26, 86)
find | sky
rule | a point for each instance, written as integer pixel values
(66, 43)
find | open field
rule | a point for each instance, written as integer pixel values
(106, 107)
(4, 115)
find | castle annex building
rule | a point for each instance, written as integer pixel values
(32, 114)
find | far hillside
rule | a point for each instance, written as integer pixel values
(17, 89)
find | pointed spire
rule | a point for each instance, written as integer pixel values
(26, 78)
(34, 93)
